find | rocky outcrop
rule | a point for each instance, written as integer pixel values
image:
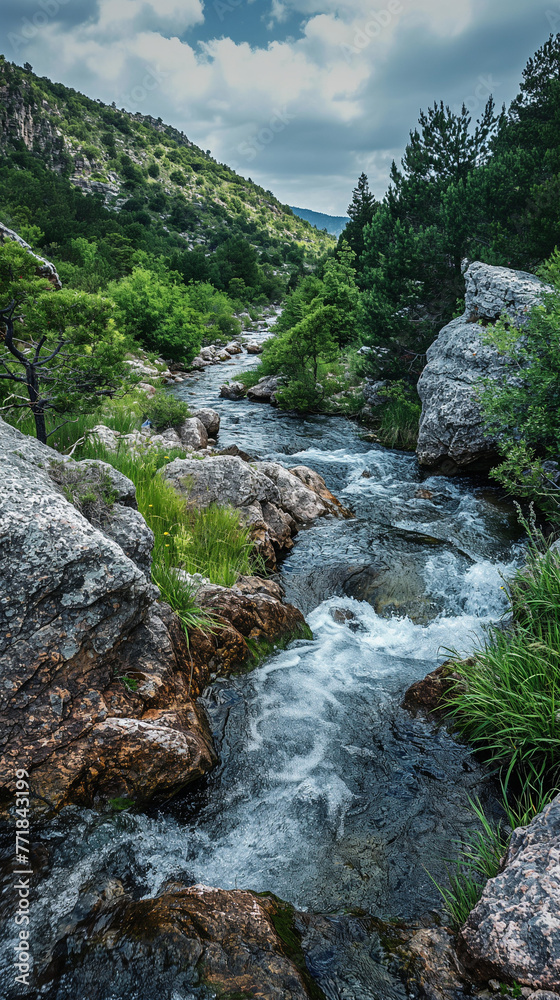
(272, 500)
(452, 435)
(513, 933)
(72, 608)
(44, 267)
(185, 938)
(97, 676)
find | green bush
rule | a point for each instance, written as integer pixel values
(522, 412)
(164, 410)
(399, 417)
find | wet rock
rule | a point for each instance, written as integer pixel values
(193, 434)
(232, 449)
(265, 389)
(234, 347)
(436, 967)
(210, 419)
(253, 347)
(183, 938)
(513, 933)
(316, 483)
(255, 616)
(233, 390)
(452, 433)
(432, 692)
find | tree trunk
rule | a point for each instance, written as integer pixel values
(37, 404)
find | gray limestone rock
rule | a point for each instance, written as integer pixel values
(222, 479)
(193, 434)
(210, 419)
(452, 432)
(513, 933)
(265, 389)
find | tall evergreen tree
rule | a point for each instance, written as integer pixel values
(361, 210)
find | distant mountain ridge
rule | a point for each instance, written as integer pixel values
(334, 224)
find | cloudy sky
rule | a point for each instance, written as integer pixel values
(300, 95)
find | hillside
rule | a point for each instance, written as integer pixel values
(138, 165)
(334, 224)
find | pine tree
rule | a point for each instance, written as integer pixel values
(361, 210)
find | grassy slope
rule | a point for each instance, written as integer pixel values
(85, 140)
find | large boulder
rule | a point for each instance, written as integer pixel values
(97, 675)
(452, 435)
(513, 933)
(233, 390)
(220, 942)
(224, 480)
(193, 433)
(302, 503)
(94, 700)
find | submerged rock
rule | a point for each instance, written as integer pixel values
(513, 933)
(452, 433)
(183, 938)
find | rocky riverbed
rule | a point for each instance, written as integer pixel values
(304, 779)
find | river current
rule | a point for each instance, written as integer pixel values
(328, 793)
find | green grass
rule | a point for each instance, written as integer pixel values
(508, 707)
(212, 541)
(398, 427)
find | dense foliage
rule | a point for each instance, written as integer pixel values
(62, 351)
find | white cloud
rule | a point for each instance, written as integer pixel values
(343, 91)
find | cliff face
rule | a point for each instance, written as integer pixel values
(452, 435)
(23, 120)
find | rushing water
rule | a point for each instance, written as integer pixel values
(328, 793)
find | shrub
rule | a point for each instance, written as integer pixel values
(164, 410)
(400, 416)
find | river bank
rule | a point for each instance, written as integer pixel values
(327, 793)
